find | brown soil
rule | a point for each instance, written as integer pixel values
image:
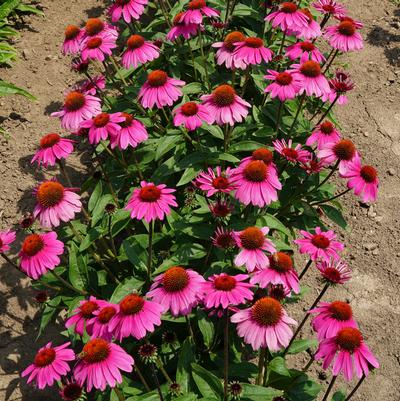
(372, 120)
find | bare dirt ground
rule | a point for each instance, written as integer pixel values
(371, 120)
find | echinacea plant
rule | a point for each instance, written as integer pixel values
(176, 266)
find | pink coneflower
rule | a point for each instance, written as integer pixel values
(363, 179)
(195, 12)
(257, 182)
(279, 271)
(224, 238)
(344, 36)
(160, 90)
(139, 51)
(40, 253)
(71, 391)
(288, 16)
(226, 48)
(339, 85)
(178, 290)
(91, 86)
(292, 154)
(333, 271)
(78, 65)
(6, 238)
(136, 316)
(330, 7)
(72, 41)
(225, 106)
(278, 291)
(98, 326)
(222, 290)
(49, 365)
(192, 115)
(77, 107)
(55, 203)
(83, 313)
(151, 201)
(312, 30)
(180, 28)
(53, 148)
(320, 245)
(217, 181)
(97, 47)
(313, 166)
(285, 85)
(221, 208)
(100, 364)
(128, 9)
(102, 125)
(332, 317)
(342, 151)
(304, 51)
(312, 80)
(132, 133)
(96, 27)
(323, 133)
(252, 244)
(264, 325)
(351, 352)
(252, 51)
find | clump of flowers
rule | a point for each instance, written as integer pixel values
(213, 150)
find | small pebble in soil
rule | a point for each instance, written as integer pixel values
(370, 246)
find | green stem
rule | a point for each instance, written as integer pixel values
(118, 70)
(326, 111)
(278, 117)
(189, 327)
(154, 373)
(327, 177)
(111, 237)
(355, 388)
(261, 359)
(303, 97)
(141, 377)
(331, 61)
(150, 250)
(304, 271)
(226, 355)
(282, 43)
(332, 198)
(160, 366)
(204, 58)
(310, 362)
(119, 393)
(328, 390)
(67, 284)
(303, 322)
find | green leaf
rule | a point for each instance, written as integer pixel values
(77, 272)
(166, 144)
(303, 389)
(188, 175)
(48, 312)
(186, 357)
(339, 396)
(335, 215)
(7, 7)
(29, 9)
(206, 327)
(92, 235)
(125, 288)
(302, 345)
(208, 384)
(95, 196)
(192, 88)
(273, 223)
(252, 392)
(278, 366)
(7, 88)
